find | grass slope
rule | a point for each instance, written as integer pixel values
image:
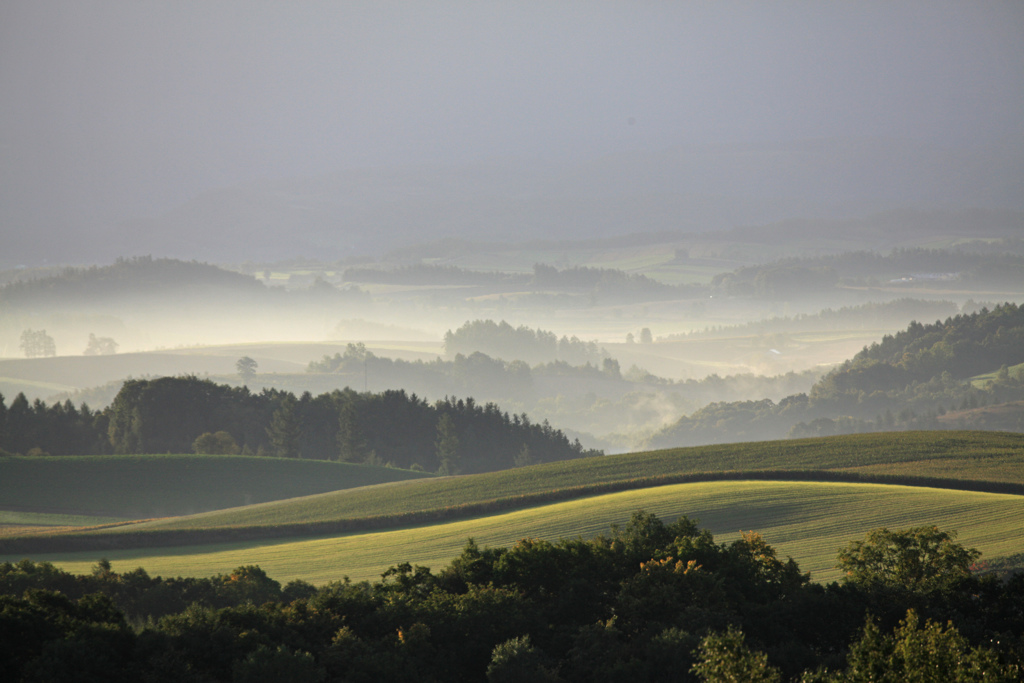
(1000, 457)
(145, 486)
(897, 458)
(808, 521)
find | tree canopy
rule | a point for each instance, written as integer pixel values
(651, 601)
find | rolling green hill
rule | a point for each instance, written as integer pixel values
(982, 461)
(806, 520)
(1000, 457)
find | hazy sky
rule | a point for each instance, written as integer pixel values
(121, 108)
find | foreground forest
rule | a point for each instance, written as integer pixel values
(651, 601)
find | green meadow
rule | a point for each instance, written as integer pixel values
(808, 521)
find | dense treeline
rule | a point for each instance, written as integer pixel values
(963, 346)
(960, 347)
(501, 340)
(908, 381)
(36, 428)
(650, 602)
(182, 414)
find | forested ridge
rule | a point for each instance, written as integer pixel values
(907, 381)
(182, 414)
(958, 348)
(963, 346)
(649, 602)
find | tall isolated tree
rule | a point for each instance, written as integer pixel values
(36, 343)
(246, 368)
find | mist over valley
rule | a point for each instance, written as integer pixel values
(326, 289)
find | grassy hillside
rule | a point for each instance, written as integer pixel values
(808, 521)
(1001, 457)
(144, 486)
(958, 457)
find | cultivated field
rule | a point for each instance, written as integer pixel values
(808, 521)
(808, 496)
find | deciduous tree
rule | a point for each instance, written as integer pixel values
(246, 367)
(725, 658)
(100, 346)
(217, 443)
(921, 560)
(36, 343)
